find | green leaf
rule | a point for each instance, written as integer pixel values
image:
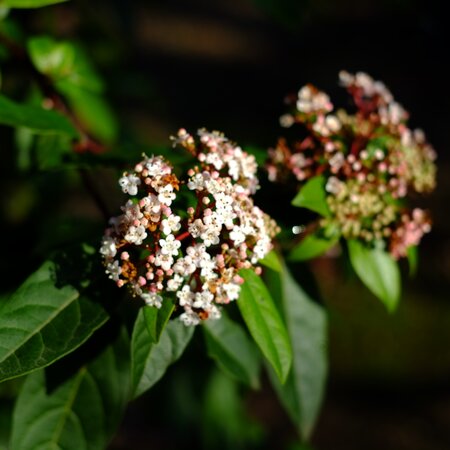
(30, 3)
(55, 59)
(156, 319)
(264, 323)
(413, 259)
(35, 118)
(313, 196)
(271, 261)
(234, 352)
(225, 421)
(311, 247)
(80, 414)
(302, 394)
(378, 271)
(150, 361)
(92, 111)
(40, 323)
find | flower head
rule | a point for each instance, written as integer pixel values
(162, 246)
(370, 159)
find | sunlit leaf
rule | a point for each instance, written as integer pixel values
(264, 323)
(311, 246)
(378, 270)
(313, 196)
(30, 3)
(271, 261)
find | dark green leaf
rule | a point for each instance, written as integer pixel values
(413, 259)
(80, 414)
(92, 110)
(264, 323)
(226, 423)
(311, 247)
(271, 261)
(35, 118)
(40, 323)
(156, 319)
(313, 196)
(378, 271)
(233, 351)
(29, 3)
(150, 361)
(302, 394)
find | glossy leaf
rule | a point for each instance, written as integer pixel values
(271, 261)
(55, 59)
(40, 323)
(80, 414)
(264, 323)
(150, 361)
(378, 271)
(34, 118)
(313, 196)
(310, 247)
(303, 392)
(156, 319)
(30, 3)
(234, 352)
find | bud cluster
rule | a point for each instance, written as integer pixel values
(186, 239)
(370, 159)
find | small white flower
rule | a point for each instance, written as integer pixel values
(166, 194)
(169, 245)
(136, 234)
(129, 184)
(174, 283)
(108, 248)
(232, 290)
(171, 224)
(152, 299)
(185, 296)
(114, 270)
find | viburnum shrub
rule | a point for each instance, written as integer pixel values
(193, 263)
(358, 170)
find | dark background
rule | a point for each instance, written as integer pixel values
(227, 65)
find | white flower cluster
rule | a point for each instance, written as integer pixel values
(193, 256)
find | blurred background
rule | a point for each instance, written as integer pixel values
(227, 65)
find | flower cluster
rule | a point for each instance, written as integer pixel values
(370, 159)
(187, 239)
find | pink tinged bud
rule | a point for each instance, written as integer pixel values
(153, 288)
(148, 181)
(351, 159)
(190, 210)
(169, 272)
(145, 173)
(149, 275)
(191, 173)
(258, 270)
(142, 281)
(151, 259)
(136, 222)
(124, 256)
(120, 283)
(238, 279)
(382, 167)
(206, 200)
(138, 168)
(201, 157)
(160, 272)
(141, 203)
(215, 174)
(361, 177)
